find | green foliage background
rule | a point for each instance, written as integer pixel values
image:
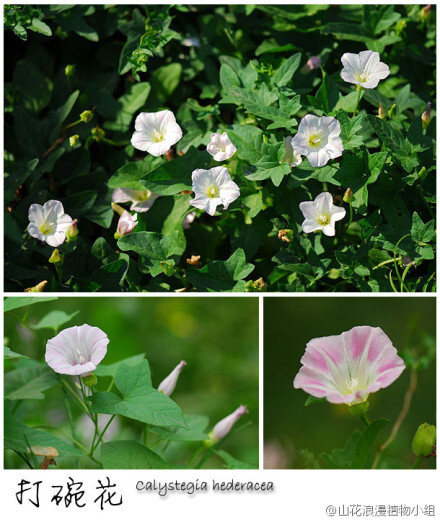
(289, 324)
(218, 337)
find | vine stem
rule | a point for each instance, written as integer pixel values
(405, 408)
(102, 433)
(360, 89)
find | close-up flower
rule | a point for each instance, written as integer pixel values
(318, 139)
(213, 187)
(77, 350)
(126, 224)
(321, 214)
(221, 147)
(346, 368)
(49, 223)
(156, 132)
(291, 156)
(142, 200)
(168, 385)
(222, 428)
(364, 69)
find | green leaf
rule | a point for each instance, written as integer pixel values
(28, 382)
(56, 118)
(34, 88)
(16, 173)
(197, 425)
(110, 370)
(423, 232)
(17, 435)
(231, 462)
(39, 26)
(342, 458)
(365, 443)
(12, 303)
(285, 73)
(248, 140)
(219, 276)
(139, 401)
(270, 166)
(130, 174)
(9, 354)
(127, 105)
(164, 81)
(313, 400)
(54, 319)
(128, 454)
(350, 128)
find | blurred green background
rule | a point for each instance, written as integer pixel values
(218, 337)
(289, 426)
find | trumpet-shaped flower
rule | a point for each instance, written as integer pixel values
(49, 223)
(221, 147)
(77, 350)
(142, 200)
(364, 69)
(156, 132)
(291, 156)
(346, 368)
(222, 428)
(318, 139)
(213, 187)
(168, 385)
(321, 214)
(126, 224)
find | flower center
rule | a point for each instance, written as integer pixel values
(323, 219)
(314, 140)
(144, 195)
(158, 136)
(79, 357)
(352, 384)
(47, 228)
(361, 78)
(212, 191)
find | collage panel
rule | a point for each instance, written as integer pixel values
(131, 383)
(349, 383)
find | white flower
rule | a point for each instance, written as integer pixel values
(221, 147)
(49, 223)
(222, 428)
(364, 69)
(142, 199)
(213, 187)
(292, 157)
(126, 224)
(191, 41)
(168, 385)
(318, 139)
(188, 219)
(321, 214)
(156, 132)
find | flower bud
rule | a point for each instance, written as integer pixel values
(37, 288)
(348, 196)
(90, 380)
(425, 13)
(392, 110)
(193, 260)
(86, 116)
(168, 385)
(314, 62)
(256, 286)
(406, 261)
(400, 26)
(382, 113)
(426, 116)
(74, 141)
(126, 224)
(70, 70)
(222, 428)
(285, 235)
(98, 133)
(424, 440)
(56, 256)
(72, 231)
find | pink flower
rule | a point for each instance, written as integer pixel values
(313, 63)
(168, 385)
(77, 350)
(346, 368)
(222, 428)
(126, 224)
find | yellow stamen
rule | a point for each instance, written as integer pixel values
(158, 136)
(323, 219)
(46, 228)
(212, 191)
(314, 140)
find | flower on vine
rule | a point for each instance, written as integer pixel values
(126, 224)
(49, 223)
(77, 350)
(221, 147)
(346, 368)
(318, 139)
(142, 200)
(222, 428)
(156, 132)
(364, 69)
(321, 214)
(213, 187)
(168, 385)
(291, 156)
(314, 62)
